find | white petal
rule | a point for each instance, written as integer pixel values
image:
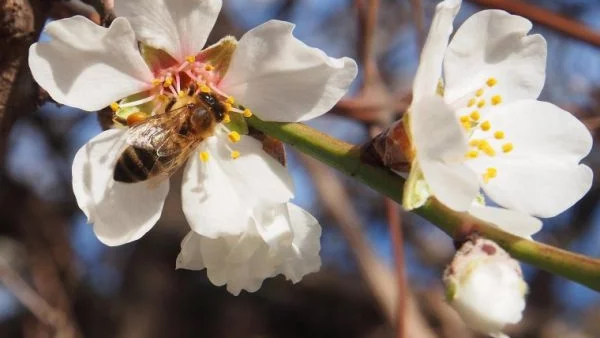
(515, 222)
(441, 146)
(88, 66)
(282, 79)
(120, 212)
(490, 297)
(219, 195)
(179, 27)
(542, 175)
(272, 223)
(432, 56)
(190, 257)
(303, 257)
(493, 43)
(242, 262)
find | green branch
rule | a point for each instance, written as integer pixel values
(346, 158)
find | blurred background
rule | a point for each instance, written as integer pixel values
(58, 280)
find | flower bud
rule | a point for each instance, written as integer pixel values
(485, 286)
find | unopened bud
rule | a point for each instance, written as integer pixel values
(485, 286)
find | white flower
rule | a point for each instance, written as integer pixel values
(228, 179)
(485, 129)
(244, 261)
(486, 287)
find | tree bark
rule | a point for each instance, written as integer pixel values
(20, 24)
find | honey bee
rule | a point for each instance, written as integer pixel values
(163, 142)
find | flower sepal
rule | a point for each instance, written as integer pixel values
(156, 59)
(237, 123)
(219, 55)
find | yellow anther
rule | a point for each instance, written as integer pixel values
(181, 93)
(499, 135)
(466, 125)
(247, 113)
(472, 154)
(464, 119)
(227, 106)
(485, 126)
(208, 68)
(471, 103)
(507, 147)
(479, 92)
(481, 103)
(489, 174)
(115, 107)
(163, 97)
(491, 82)
(484, 146)
(156, 82)
(235, 154)
(204, 88)
(168, 82)
(234, 137)
(226, 118)
(496, 99)
(204, 156)
(190, 59)
(475, 115)
(489, 151)
(474, 143)
(230, 100)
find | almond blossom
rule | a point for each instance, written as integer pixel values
(234, 195)
(481, 127)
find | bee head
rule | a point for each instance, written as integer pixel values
(215, 106)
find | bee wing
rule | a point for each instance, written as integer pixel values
(157, 132)
(178, 156)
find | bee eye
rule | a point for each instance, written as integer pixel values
(208, 99)
(219, 112)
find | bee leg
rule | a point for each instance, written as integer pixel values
(170, 104)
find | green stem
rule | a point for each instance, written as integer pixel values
(347, 159)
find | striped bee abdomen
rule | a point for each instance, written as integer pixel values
(135, 165)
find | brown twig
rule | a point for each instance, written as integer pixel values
(397, 238)
(395, 230)
(557, 22)
(380, 279)
(34, 302)
(68, 8)
(367, 25)
(416, 9)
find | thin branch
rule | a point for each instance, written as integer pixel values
(557, 22)
(397, 237)
(69, 8)
(416, 9)
(34, 302)
(336, 202)
(377, 275)
(347, 158)
(367, 25)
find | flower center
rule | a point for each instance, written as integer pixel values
(175, 86)
(493, 141)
